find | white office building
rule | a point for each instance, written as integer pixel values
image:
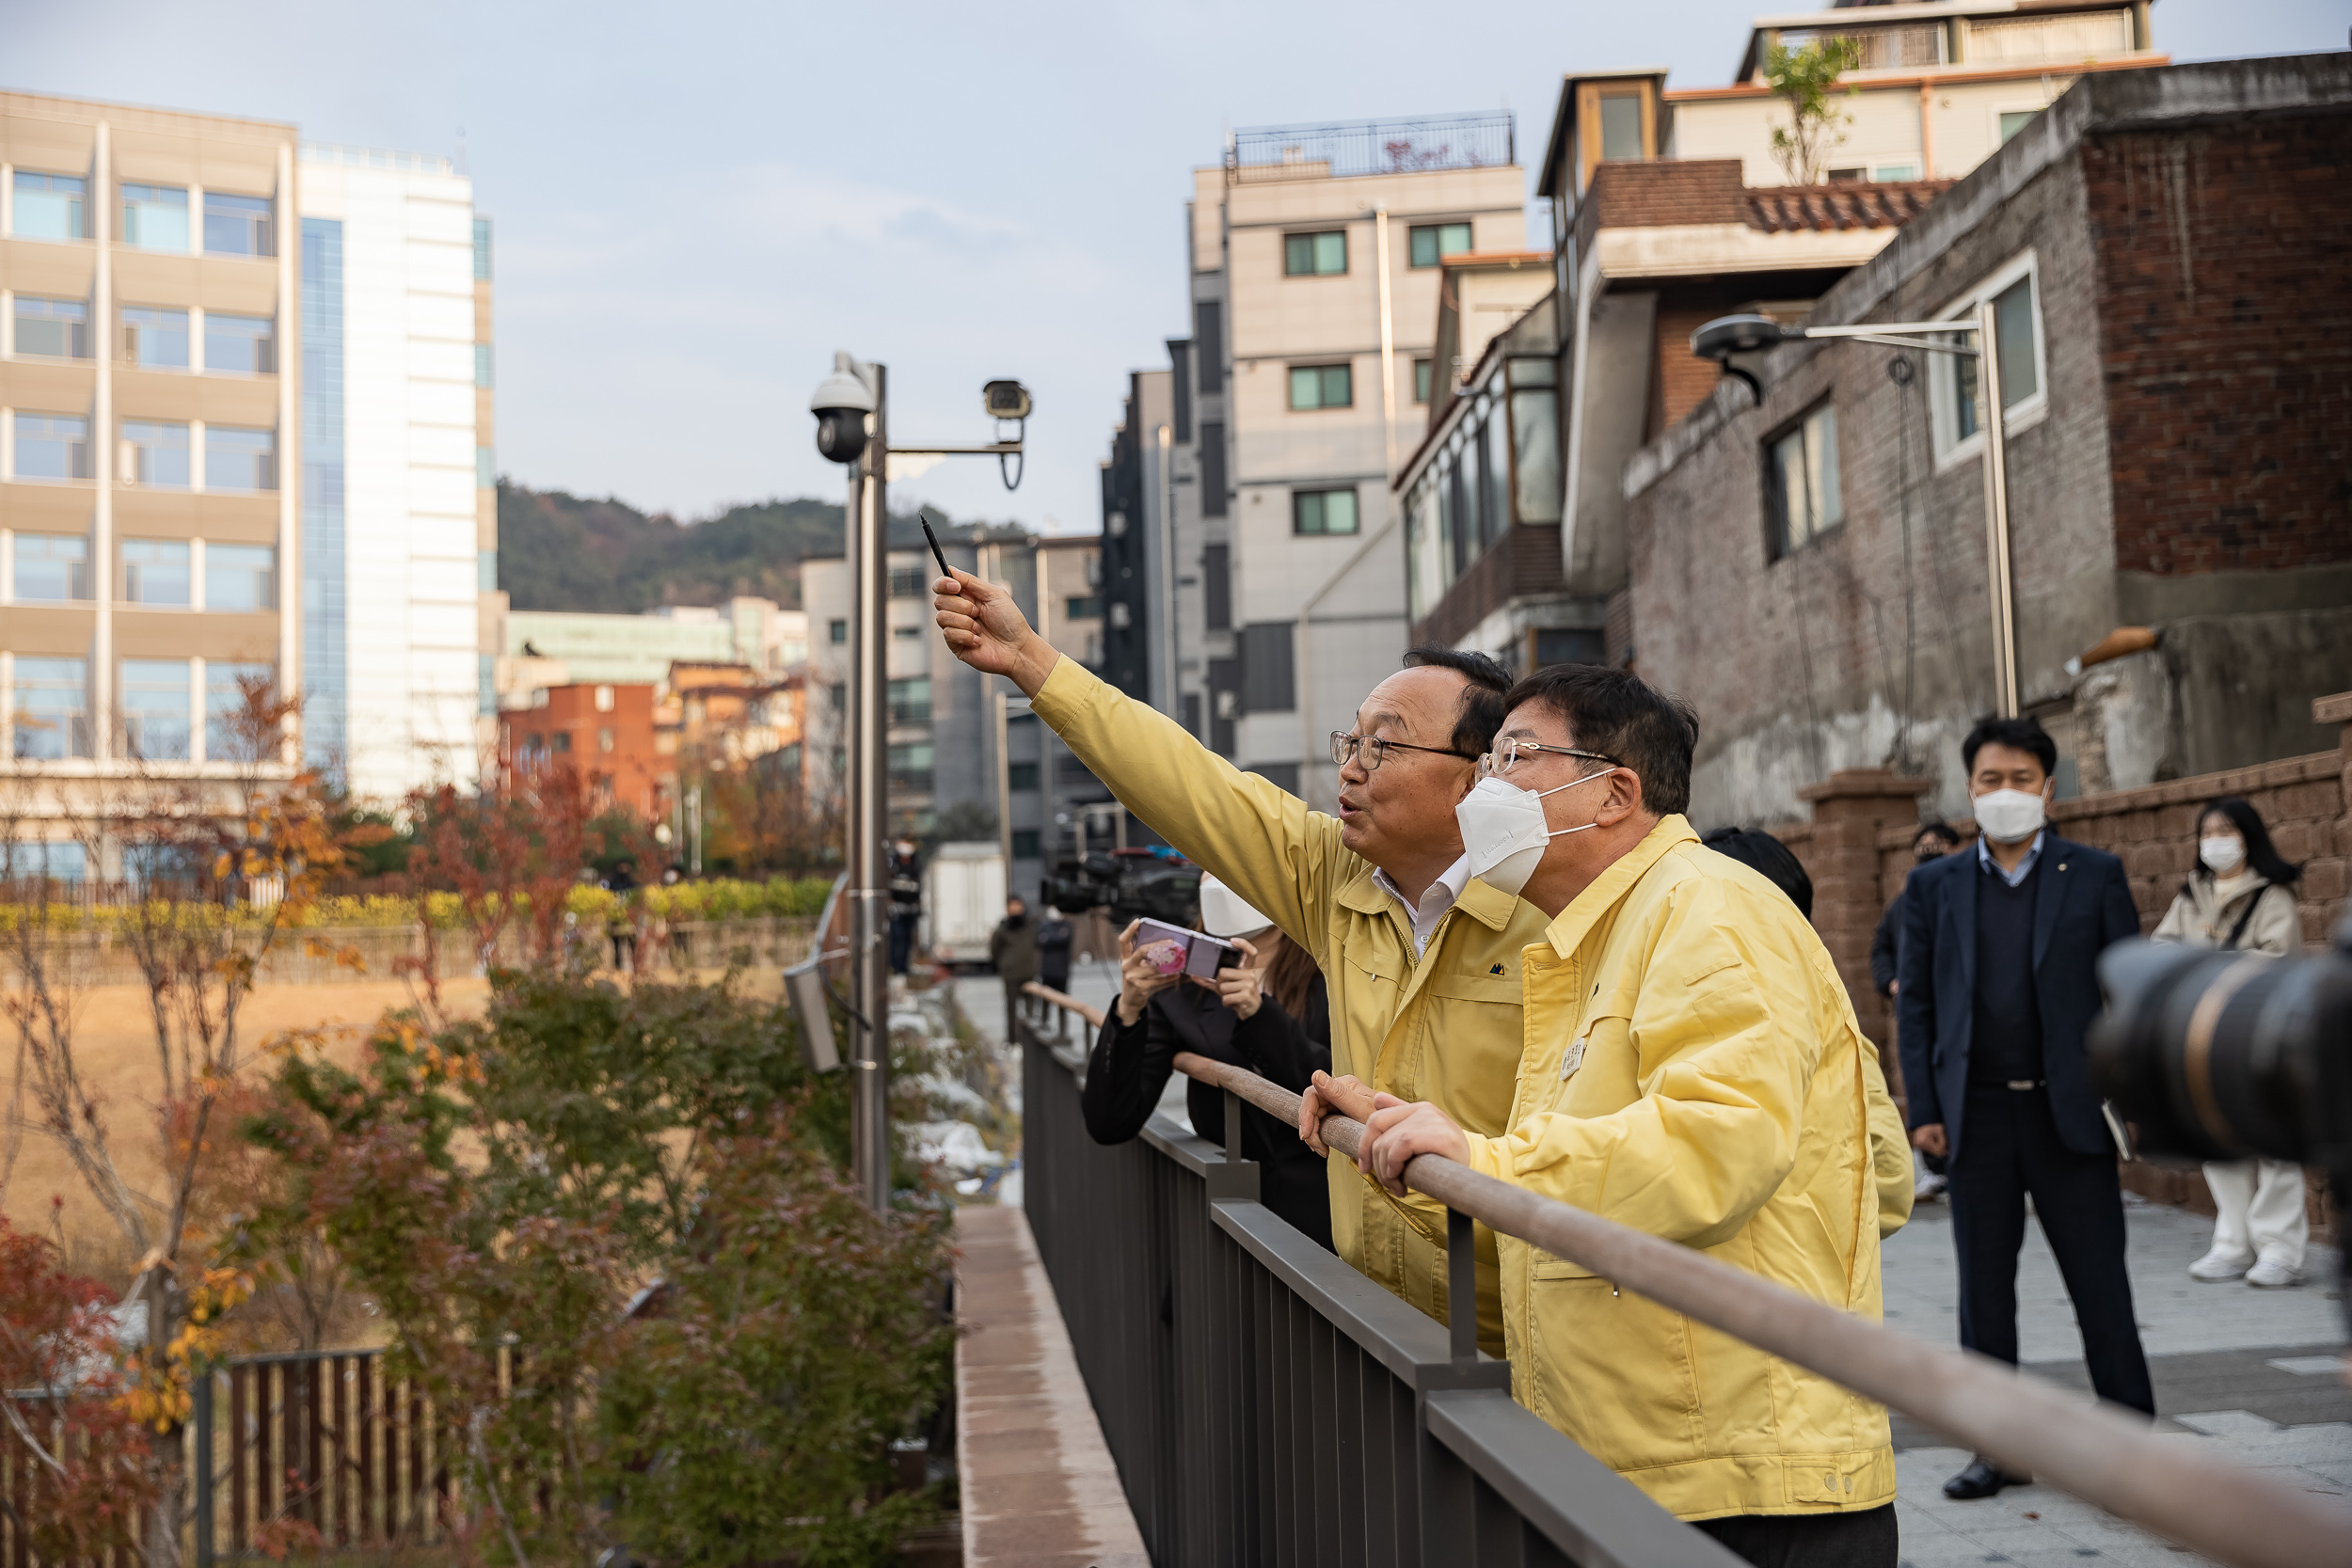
(400, 509)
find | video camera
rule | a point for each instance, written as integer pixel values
(2222, 1055)
(1132, 884)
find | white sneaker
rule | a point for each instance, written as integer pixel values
(1930, 1188)
(2216, 1267)
(2271, 1274)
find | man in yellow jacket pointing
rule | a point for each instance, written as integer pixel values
(1691, 1068)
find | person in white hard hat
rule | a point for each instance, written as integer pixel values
(1268, 1014)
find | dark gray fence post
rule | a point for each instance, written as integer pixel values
(201, 1470)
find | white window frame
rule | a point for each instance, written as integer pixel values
(1952, 451)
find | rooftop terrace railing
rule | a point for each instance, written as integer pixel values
(1351, 149)
(1267, 1403)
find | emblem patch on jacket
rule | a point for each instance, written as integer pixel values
(1574, 1059)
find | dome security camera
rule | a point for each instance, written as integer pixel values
(841, 403)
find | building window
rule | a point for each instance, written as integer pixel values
(238, 459)
(155, 572)
(154, 340)
(1322, 386)
(155, 709)
(909, 582)
(1267, 684)
(1323, 255)
(1021, 775)
(911, 768)
(238, 225)
(1620, 126)
(52, 568)
(909, 700)
(1802, 493)
(155, 217)
(837, 631)
(51, 706)
(481, 251)
(563, 740)
(49, 207)
(230, 712)
(1956, 404)
(481, 365)
(52, 445)
(1431, 242)
(246, 345)
(240, 578)
(1894, 171)
(605, 741)
(1323, 510)
(604, 699)
(55, 861)
(52, 329)
(1566, 645)
(485, 468)
(2014, 121)
(1083, 607)
(1421, 381)
(839, 692)
(1025, 844)
(1535, 438)
(906, 634)
(153, 453)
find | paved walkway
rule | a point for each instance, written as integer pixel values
(2254, 1377)
(1038, 1485)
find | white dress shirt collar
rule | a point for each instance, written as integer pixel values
(1436, 899)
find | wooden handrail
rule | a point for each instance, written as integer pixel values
(2103, 1454)
(1093, 1015)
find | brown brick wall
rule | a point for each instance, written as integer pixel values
(1683, 380)
(2226, 333)
(1655, 194)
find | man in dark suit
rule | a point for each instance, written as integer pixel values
(1997, 989)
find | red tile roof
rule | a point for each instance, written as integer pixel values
(1780, 209)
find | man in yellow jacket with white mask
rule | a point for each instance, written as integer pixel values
(1692, 1068)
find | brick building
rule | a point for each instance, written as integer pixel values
(604, 733)
(2167, 250)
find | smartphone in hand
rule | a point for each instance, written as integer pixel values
(1196, 953)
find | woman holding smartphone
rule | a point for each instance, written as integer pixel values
(1268, 1014)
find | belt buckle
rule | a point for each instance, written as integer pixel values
(2023, 1084)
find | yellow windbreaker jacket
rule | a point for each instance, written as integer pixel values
(1693, 1068)
(1445, 1028)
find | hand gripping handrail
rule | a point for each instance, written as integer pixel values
(2101, 1454)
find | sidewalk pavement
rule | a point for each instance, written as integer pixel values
(2254, 1377)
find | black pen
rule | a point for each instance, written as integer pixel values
(937, 554)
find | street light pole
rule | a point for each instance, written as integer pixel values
(869, 808)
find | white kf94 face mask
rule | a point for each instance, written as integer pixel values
(1503, 829)
(2008, 815)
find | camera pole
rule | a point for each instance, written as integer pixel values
(869, 808)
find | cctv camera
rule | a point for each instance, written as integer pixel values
(841, 402)
(1006, 400)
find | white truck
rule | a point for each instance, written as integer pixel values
(964, 898)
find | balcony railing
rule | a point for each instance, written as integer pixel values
(1267, 1403)
(1351, 149)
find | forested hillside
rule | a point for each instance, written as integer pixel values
(559, 551)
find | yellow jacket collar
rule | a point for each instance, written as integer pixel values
(1567, 930)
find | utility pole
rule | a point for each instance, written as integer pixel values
(852, 409)
(868, 887)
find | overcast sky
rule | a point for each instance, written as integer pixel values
(696, 204)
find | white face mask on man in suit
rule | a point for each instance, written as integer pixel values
(2009, 815)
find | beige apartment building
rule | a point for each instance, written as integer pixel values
(1316, 256)
(244, 414)
(148, 424)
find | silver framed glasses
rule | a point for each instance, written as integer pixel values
(1510, 748)
(1346, 745)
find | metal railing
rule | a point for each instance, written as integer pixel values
(1264, 1403)
(1351, 149)
(2101, 1454)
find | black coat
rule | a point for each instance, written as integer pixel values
(2083, 906)
(1131, 1064)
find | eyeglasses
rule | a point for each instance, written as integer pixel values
(1509, 750)
(1345, 745)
